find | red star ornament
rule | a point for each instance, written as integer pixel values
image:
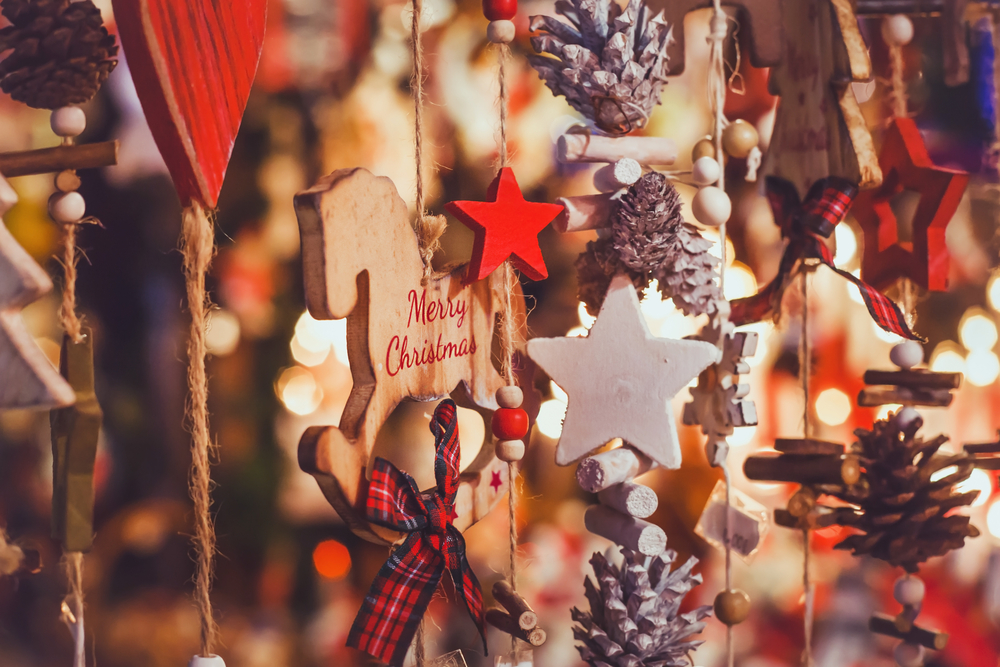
(907, 166)
(505, 226)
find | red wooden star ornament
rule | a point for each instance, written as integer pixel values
(505, 226)
(907, 166)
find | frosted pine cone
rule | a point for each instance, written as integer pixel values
(609, 64)
(633, 619)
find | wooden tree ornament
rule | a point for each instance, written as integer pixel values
(819, 130)
(193, 63)
(761, 18)
(27, 377)
(907, 166)
(405, 340)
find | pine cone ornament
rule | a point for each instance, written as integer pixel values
(62, 52)
(609, 64)
(633, 619)
(902, 513)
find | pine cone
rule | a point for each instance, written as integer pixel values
(62, 52)
(609, 64)
(633, 619)
(902, 513)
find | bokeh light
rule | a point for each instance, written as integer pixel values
(740, 282)
(993, 292)
(982, 367)
(847, 245)
(331, 559)
(977, 331)
(993, 518)
(981, 481)
(947, 358)
(314, 339)
(833, 407)
(223, 332)
(298, 391)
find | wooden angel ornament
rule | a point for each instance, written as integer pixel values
(406, 340)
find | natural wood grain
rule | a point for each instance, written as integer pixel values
(60, 158)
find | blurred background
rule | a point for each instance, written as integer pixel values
(332, 92)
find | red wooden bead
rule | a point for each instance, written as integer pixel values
(499, 10)
(510, 423)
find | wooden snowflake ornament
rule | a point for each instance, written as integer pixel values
(27, 378)
(506, 226)
(620, 380)
(405, 340)
(907, 166)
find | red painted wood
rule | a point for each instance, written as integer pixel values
(510, 423)
(193, 63)
(505, 226)
(907, 166)
(499, 10)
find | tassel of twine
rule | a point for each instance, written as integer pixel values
(72, 606)
(198, 247)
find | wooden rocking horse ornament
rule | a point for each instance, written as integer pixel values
(405, 339)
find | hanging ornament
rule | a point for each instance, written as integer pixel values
(384, 627)
(907, 167)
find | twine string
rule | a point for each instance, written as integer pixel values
(67, 311)
(808, 588)
(72, 606)
(419, 646)
(897, 87)
(198, 247)
(908, 301)
(805, 363)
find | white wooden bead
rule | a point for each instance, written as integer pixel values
(909, 655)
(897, 30)
(500, 32)
(906, 416)
(68, 121)
(909, 590)
(705, 171)
(510, 396)
(509, 451)
(67, 207)
(711, 206)
(907, 354)
(207, 661)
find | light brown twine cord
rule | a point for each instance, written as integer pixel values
(67, 311)
(72, 608)
(805, 363)
(908, 300)
(897, 88)
(808, 587)
(419, 647)
(198, 247)
(503, 51)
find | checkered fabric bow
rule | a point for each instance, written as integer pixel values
(803, 224)
(399, 596)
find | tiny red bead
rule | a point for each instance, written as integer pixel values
(510, 423)
(499, 10)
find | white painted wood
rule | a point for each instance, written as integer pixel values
(207, 661)
(584, 212)
(618, 175)
(635, 534)
(630, 498)
(620, 380)
(27, 377)
(595, 148)
(601, 471)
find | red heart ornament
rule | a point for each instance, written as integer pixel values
(193, 62)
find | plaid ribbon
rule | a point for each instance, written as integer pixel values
(402, 589)
(803, 224)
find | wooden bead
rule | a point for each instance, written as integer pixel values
(704, 148)
(906, 416)
(909, 655)
(739, 138)
(510, 423)
(499, 10)
(510, 396)
(509, 451)
(67, 207)
(907, 354)
(207, 661)
(897, 30)
(705, 171)
(501, 32)
(711, 206)
(67, 181)
(732, 607)
(68, 121)
(909, 589)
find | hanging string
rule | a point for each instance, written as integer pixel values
(198, 247)
(67, 311)
(419, 648)
(72, 606)
(908, 300)
(805, 364)
(897, 87)
(808, 588)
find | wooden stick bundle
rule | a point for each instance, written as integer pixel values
(505, 623)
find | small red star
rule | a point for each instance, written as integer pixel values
(505, 226)
(496, 482)
(907, 166)
(452, 514)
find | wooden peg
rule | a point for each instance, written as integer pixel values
(75, 431)
(884, 624)
(904, 619)
(595, 148)
(983, 448)
(60, 158)
(630, 498)
(584, 212)
(818, 517)
(503, 622)
(915, 378)
(622, 464)
(635, 534)
(870, 398)
(807, 446)
(818, 469)
(516, 606)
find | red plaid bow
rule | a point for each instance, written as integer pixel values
(803, 223)
(403, 588)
